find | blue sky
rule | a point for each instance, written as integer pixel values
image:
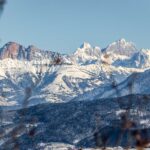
(63, 25)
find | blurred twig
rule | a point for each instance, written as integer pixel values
(2, 2)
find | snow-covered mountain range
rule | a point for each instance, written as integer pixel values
(29, 76)
(87, 99)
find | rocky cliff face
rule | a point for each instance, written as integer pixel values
(16, 51)
(12, 50)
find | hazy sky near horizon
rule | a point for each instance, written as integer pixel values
(63, 25)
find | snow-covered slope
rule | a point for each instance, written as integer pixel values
(137, 83)
(139, 59)
(31, 76)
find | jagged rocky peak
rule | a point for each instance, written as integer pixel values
(32, 52)
(85, 45)
(121, 47)
(12, 50)
(33, 48)
(122, 41)
(87, 49)
(87, 54)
